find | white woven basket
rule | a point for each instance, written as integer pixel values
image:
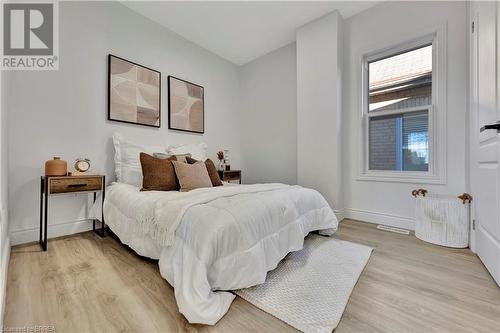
(442, 220)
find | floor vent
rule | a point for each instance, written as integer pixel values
(393, 229)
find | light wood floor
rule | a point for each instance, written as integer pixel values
(84, 283)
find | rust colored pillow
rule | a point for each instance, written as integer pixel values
(158, 174)
(212, 170)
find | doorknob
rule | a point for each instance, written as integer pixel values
(495, 126)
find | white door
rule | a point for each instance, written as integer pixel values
(485, 147)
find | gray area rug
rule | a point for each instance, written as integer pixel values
(310, 288)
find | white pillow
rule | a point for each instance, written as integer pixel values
(198, 151)
(127, 164)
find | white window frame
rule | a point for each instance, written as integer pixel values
(436, 173)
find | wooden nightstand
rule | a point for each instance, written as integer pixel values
(230, 175)
(50, 185)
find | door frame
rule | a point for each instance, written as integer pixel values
(472, 94)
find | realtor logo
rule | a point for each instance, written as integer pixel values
(29, 36)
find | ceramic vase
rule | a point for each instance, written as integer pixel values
(56, 167)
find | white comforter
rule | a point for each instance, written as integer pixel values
(216, 239)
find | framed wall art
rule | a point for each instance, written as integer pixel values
(134, 93)
(186, 108)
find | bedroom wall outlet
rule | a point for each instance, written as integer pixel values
(3, 215)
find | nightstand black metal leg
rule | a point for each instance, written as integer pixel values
(101, 233)
(93, 220)
(42, 191)
(102, 204)
(46, 213)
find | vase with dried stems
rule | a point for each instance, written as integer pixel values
(220, 157)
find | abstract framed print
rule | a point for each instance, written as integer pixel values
(186, 107)
(134, 93)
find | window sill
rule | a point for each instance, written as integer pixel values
(398, 177)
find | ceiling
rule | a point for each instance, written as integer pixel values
(241, 31)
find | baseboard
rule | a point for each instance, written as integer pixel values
(53, 230)
(3, 277)
(340, 213)
(380, 218)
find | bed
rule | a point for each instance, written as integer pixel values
(210, 241)
(227, 237)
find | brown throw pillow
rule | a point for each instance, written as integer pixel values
(192, 176)
(212, 170)
(158, 174)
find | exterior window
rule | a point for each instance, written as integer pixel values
(399, 110)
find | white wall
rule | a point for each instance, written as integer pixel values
(64, 112)
(4, 225)
(319, 123)
(386, 202)
(290, 116)
(269, 119)
(3, 151)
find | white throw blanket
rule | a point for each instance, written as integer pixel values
(168, 211)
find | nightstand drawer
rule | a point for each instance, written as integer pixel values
(74, 184)
(231, 175)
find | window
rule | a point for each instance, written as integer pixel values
(400, 142)
(399, 110)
